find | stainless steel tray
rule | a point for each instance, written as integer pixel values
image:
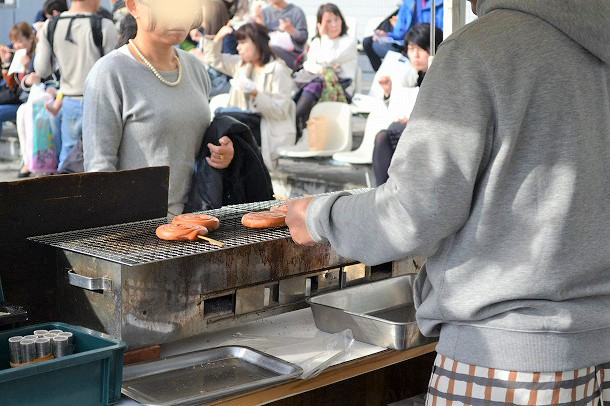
(379, 313)
(203, 376)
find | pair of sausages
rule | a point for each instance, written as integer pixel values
(188, 227)
(275, 217)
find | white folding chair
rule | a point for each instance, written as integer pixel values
(338, 132)
(378, 120)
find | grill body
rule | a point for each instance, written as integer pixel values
(124, 281)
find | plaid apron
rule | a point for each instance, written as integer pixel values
(455, 383)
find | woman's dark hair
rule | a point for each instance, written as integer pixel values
(50, 6)
(127, 30)
(215, 17)
(260, 37)
(419, 35)
(331, 8)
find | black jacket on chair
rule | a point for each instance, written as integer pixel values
(246, 180)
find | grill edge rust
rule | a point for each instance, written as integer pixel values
(135, 243)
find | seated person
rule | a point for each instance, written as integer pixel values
(22, 37)
(215, 16)
(418, 50)
(411, 12)
(332, 49)
(260, 88)
(288, 31)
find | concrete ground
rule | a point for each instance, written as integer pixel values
(293, 177)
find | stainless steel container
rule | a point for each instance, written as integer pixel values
(379, 313)
(202, 376)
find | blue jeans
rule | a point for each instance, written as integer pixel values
(71, 125)
(8, 112)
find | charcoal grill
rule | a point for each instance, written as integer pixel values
(123, 280)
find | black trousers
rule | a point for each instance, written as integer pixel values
(385, 146)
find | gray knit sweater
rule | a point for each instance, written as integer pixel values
(132, 120)
(502, 179)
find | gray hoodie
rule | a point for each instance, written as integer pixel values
(502, 179)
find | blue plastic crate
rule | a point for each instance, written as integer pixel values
(90, 376)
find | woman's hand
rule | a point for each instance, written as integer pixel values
(286, 26)
(5, 54)
(221, 155)
(321, 30)
(223, 32)
(295, 220)
(386, 84)
(32, 79)
(195, 34)
(379, 34)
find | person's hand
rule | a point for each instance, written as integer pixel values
(223, 32)
(53, 108)
(286, 26)
(381, 33)
(195, 34)
(258, 13)
(221, 155)
(386, 84)
(295, 220)
(321, 30)
(5, 54)
(32, 79)
(403, 120)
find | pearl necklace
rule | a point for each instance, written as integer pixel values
(152, 68)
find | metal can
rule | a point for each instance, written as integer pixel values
(60, 347)
(28, 350)
(40, 332)
(43, 347)
(55, 331)
(15, 349)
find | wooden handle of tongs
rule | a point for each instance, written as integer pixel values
(212, 241)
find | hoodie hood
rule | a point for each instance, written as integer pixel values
(585, 21)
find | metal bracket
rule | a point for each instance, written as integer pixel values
(88, 283)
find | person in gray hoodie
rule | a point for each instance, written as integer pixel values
(502, 180)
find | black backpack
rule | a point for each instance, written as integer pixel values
(96, 29)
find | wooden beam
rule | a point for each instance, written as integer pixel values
(332, 375)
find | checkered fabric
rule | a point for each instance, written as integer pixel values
(455, 383)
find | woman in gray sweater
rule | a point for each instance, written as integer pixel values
(146, 103)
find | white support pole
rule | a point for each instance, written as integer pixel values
(454, 16)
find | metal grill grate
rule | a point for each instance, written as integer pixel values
(136, 243)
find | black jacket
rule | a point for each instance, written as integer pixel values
(246, 180)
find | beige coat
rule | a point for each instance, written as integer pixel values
(273, 101)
